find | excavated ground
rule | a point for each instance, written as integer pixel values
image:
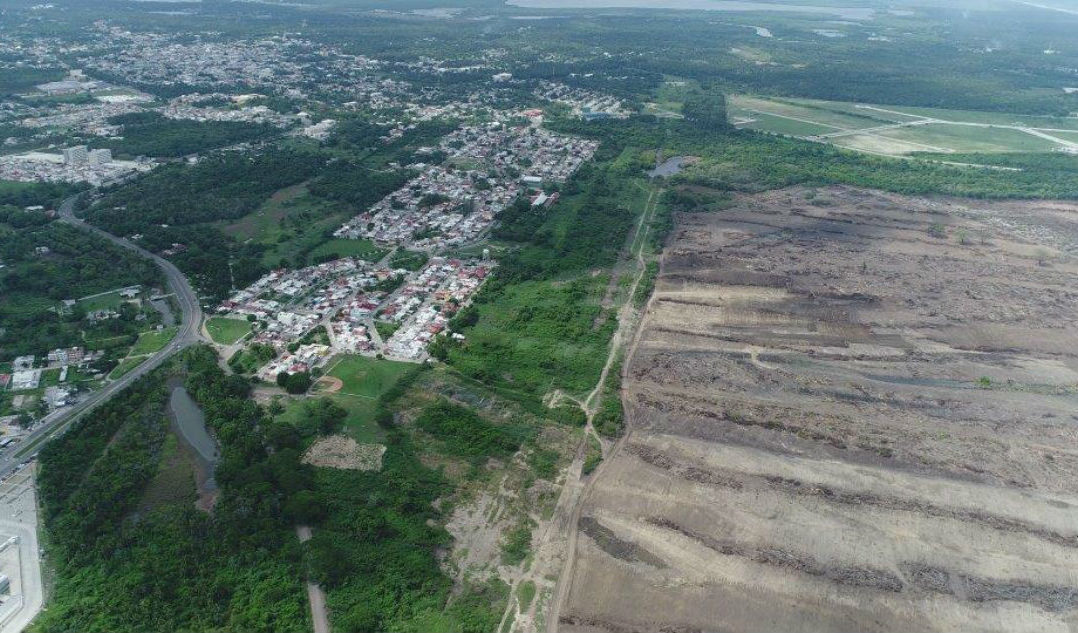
(843, 421)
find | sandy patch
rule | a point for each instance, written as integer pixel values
(328, 384)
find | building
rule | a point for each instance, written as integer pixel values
(100, 156)
(77, 155)
(64, 357)
(502, 77)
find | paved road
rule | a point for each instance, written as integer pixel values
(187, 334)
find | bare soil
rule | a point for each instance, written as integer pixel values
(849, 411)
(343, 452)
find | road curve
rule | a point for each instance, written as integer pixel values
(187, 335)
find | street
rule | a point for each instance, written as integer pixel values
(188, 334)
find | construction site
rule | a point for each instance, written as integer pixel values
(847, 411)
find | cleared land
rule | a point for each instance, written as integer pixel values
(895, 130)
(849, 413)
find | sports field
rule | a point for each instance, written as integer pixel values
(362, 381)
(226, 331)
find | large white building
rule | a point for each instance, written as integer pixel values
(100, 156)
(77, 155)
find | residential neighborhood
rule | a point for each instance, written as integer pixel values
(455, 202)
(349, 297)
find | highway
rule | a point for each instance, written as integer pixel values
(187, 335)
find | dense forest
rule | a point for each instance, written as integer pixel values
(220, 187)
(151, 134)
(34, 282)
(123, 566)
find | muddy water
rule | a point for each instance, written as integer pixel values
(669, 167)
(189, 423)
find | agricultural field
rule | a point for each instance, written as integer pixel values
(897, 130)
(849, 410)
(225, 331)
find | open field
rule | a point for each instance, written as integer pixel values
(848, 411)
(104, 301)
(226, 331)
(150, 342)
(364, 249)
(362, 381)
(125, 366)
(896, 130)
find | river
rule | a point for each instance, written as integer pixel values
(845, 13)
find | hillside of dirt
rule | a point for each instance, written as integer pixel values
(849, 411)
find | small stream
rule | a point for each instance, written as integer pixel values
(189, 423)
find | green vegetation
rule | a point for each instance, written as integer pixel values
(27, 194)
(465, 434)
(646, 285)
(610, 418)
(227, 331)
(516, 544)
(367, 377)
(249, 359)
(236, 570)
(296, 383)
(337, 248)
(408, 260)
(593, 457)
(386, 328)
(366, 384)
(747, 161)
(151, 134)
(525, 594)
(150, 342)
(125, 366)
(33, 283)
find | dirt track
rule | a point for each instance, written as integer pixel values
(843, 421)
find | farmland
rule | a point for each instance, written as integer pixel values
(848, 410)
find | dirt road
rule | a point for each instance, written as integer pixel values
(315, 595)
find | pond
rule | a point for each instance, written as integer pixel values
(190, 425)
(670, 166)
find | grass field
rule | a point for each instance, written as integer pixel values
(364, 249)
(107, 301)
(125, 366)
(150, 342)
(779, 125)
(897, 130)
(226, 331)
(960, 138)
(290, 222)
(363, 380)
